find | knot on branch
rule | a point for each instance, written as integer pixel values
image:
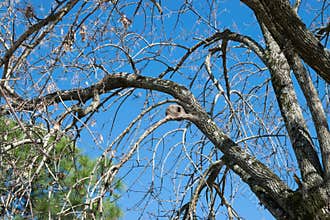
(177, 112)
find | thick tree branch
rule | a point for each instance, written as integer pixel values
(311, 169)
(292, 114)
(284, 25)
(256, 174)
(315, 105)
(301, 140)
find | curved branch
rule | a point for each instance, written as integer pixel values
(226, 34)
(206, 180)
(297, 129)
(246, 40)
(259, 177)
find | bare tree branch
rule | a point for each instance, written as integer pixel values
(55, 17)
(315, 105)
(284, 25)
(301, 140)
(258, 176)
